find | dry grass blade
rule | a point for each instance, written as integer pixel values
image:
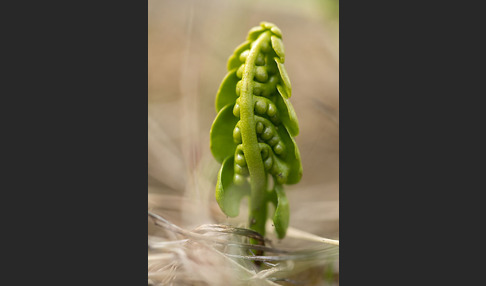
(214, 254)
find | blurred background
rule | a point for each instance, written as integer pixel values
(189, 43)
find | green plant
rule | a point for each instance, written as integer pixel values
(252, 135)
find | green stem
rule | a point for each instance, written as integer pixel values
(251, 149)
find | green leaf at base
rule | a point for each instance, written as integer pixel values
(282, 213)
(229, 195)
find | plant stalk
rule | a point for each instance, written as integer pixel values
(251, 149)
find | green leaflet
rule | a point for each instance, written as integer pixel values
(285, 77)
(229, 195)
(221, 141)
(292, 156)
(278, 47)
(227, 90)
(252, 135)
(234, 60)
(254, 33)
(282, 213)
(285, 108)
(276, 31)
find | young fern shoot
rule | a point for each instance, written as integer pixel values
(252, 135)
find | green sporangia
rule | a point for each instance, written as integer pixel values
(252, 135)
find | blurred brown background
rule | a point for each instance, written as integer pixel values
(189, 43)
